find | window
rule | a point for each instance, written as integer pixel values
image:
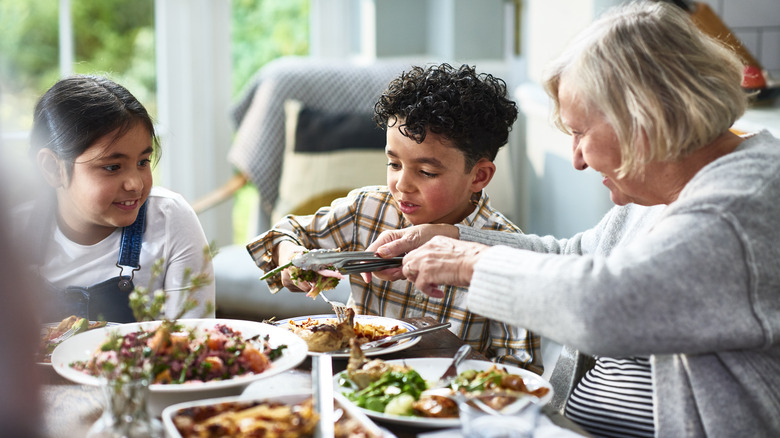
(185, 60)
(110, 37)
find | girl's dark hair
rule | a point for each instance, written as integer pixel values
(467, 108)
(79, 110)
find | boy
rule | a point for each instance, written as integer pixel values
(444, 129)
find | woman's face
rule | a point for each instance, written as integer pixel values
(595, 145)
(109, 183)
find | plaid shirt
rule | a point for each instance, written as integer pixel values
(353, 222)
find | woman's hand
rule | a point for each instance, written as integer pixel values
(442, 260)
(397, 242)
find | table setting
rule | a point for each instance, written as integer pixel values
(74, 402)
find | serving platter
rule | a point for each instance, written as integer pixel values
(51, 325)
(379, 321)
(170, 412)
(81, 347)
(431, 369)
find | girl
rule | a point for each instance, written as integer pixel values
(103, 227)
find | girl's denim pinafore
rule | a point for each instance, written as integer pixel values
(106, 301)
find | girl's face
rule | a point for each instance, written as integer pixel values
(109, 183)
(428, 180)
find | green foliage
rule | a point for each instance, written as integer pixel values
(264, 30)
(148, 305)
(115, 38)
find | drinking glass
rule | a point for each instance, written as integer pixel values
(125, 413)
(479, 420)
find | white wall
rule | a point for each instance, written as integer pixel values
(757, 25)
(193, 86)
(555, 198)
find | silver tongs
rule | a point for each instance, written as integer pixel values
(346, 262)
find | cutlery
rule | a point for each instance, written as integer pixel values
(338, 307)
(452, 371)
(322, 388)
(346, 262)
(380, 342)
(67, 334)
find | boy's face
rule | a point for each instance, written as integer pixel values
(428, 180)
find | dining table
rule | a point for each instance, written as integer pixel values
(69, 409)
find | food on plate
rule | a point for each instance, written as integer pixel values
(260, 419)
(174, 354)
(332, 334)
(49, 339)
(324, 279)
(397, 389)
(362, 371)
(328, 335)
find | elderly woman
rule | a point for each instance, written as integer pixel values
(687, 311)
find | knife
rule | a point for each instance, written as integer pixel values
(379, 342)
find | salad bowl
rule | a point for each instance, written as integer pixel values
(81, 347)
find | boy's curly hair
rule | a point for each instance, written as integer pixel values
(467, 108)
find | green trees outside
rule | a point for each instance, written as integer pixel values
(116, 38)
(110, 37)
(264, 30)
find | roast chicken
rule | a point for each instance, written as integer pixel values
(325, 337)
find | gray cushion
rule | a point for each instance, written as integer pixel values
(241, 293)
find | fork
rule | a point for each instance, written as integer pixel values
(67, 334)
(338, 307)
(452, 371)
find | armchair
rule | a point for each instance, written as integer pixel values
(334, 100)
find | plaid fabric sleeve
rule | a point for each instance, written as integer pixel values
(515, 346)
(330, 227)
(508, 343)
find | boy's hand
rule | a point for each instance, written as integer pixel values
(285, 252)
(397, 242)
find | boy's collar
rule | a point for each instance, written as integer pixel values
(479, 200)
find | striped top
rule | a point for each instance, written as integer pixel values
(615, 399)
(353, 222)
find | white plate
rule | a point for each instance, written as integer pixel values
(431, 369)
(379, 321)
(51, 325)
(79, 348)
(169, 412)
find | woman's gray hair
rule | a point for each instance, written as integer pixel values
(665, 87)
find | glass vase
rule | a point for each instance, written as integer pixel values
(125, 412)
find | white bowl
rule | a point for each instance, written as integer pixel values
(290, 398)
(81, 347)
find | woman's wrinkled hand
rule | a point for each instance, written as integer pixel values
(441, 261)
(393, 243)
